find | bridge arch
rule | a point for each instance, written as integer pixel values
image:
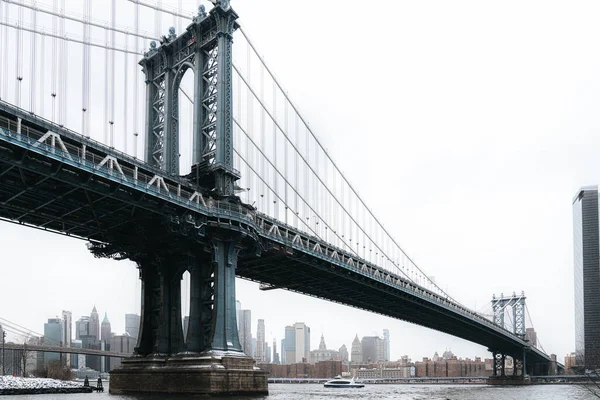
(183, 115)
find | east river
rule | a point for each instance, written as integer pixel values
(412, 392)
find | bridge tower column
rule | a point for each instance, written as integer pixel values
(225, 335)
(212, 361)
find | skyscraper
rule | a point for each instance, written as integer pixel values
(82, 327)
(105, 330)
(386, 343)
(275, 354)
(132, 325)
(260, 340)
(344, 353)
(95, 324)
(302, 342)
(53, 335)
(289, 346)
(67, 328)
(67, 332)
(586, 249)
(245, 332)
(356, 353)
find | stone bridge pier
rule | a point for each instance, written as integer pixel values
(210, 360)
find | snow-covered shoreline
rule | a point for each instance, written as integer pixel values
(15, 385)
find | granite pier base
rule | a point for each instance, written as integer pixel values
(209, 374)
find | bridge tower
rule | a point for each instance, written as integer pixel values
(499, 307)
(205, 48)
(210, 360)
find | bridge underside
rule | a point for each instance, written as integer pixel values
(286, 269)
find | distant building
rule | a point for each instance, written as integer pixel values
(454, 368)
(53, 335)
(91, 342)
(105, 329)
(275, 354)
(373, 349)
(260, 340)
(288, 347)
(356, 354)
(531, 336)
(82, 327)
(67, 329)
(121, 344)
(344, 353)
(132, 325)
(245, 332)
(267, 353)
(586, 237)
(94, 324)
(238, 315)
(570, 363)
(386, 344)
(382, 372)
(302, 342)
(77, 360)
(323, 354)
(282, 351)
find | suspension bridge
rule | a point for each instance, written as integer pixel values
(214, 172)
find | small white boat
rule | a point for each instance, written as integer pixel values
(338, 382)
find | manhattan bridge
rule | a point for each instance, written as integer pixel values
(175, 148)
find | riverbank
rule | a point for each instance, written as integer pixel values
(10, 385)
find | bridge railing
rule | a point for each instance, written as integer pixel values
(314, 245)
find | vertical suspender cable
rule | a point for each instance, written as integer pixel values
(62, 101)
(86, 74)
(19, 58)
(5, 51)
(32, 65)
(54, 60)
(111, 121)
(250, 123)
(263, 145)
(42, 75)
(285, 150)
(125, 94)
(106, 84)
(297, 171)
(136, 14)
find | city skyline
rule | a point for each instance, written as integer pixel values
(485, 162)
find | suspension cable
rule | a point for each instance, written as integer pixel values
(337, 169)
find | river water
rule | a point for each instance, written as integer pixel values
(372, 392)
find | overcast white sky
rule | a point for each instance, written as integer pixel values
(467, 126)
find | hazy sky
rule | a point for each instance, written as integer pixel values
(467, 126)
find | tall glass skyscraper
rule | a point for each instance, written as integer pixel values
(586, 249)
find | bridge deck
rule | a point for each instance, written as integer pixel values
(58, 180)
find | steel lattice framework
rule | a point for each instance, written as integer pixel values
(205, 48)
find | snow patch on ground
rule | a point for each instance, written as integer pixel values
(11, 382)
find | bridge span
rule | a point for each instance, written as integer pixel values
(58, 180)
